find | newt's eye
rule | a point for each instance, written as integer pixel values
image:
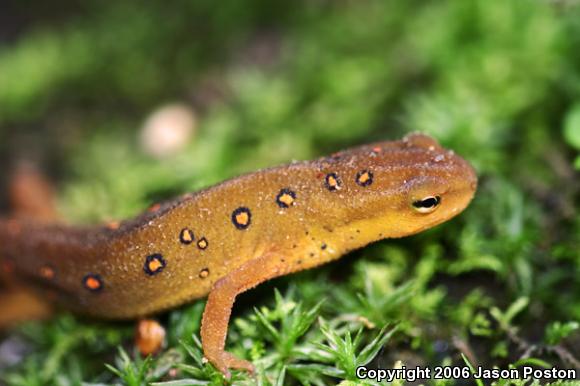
(427, 204)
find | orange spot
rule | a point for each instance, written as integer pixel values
(364, 178)
(186, 236)
(242, 218)
(155, 265)
(47, 272)
(113, 225)
(286, 199)
(204, 273)
(93, 283)
(377, 149)
(154, 207)
(149, 337)
(332, 182)
(202, 243)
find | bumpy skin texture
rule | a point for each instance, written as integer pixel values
(235, 235)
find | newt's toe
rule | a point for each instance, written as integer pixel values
(225, 361)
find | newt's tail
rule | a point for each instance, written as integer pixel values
(19, 304)
(31, 197)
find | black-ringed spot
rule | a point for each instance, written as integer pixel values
(332, 182)
(202, 243)
(154, 264)
(204, 273)
(364, 178)
(93, 282)
(242, 217)
(47, 272)
(285, 198)
(186, 236)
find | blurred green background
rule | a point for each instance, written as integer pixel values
(258, 83)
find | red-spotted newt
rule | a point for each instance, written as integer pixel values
(233, 236)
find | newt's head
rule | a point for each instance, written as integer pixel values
(442, 186)
(416, 184)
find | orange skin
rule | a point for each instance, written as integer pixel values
(233, 236)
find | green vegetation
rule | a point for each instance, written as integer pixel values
(498, 81)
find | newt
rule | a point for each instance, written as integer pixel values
(226, 239)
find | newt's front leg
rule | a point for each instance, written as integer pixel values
(216, 316)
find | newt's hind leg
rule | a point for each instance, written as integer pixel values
(149, 336)
(19, 304)
(216, 316)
